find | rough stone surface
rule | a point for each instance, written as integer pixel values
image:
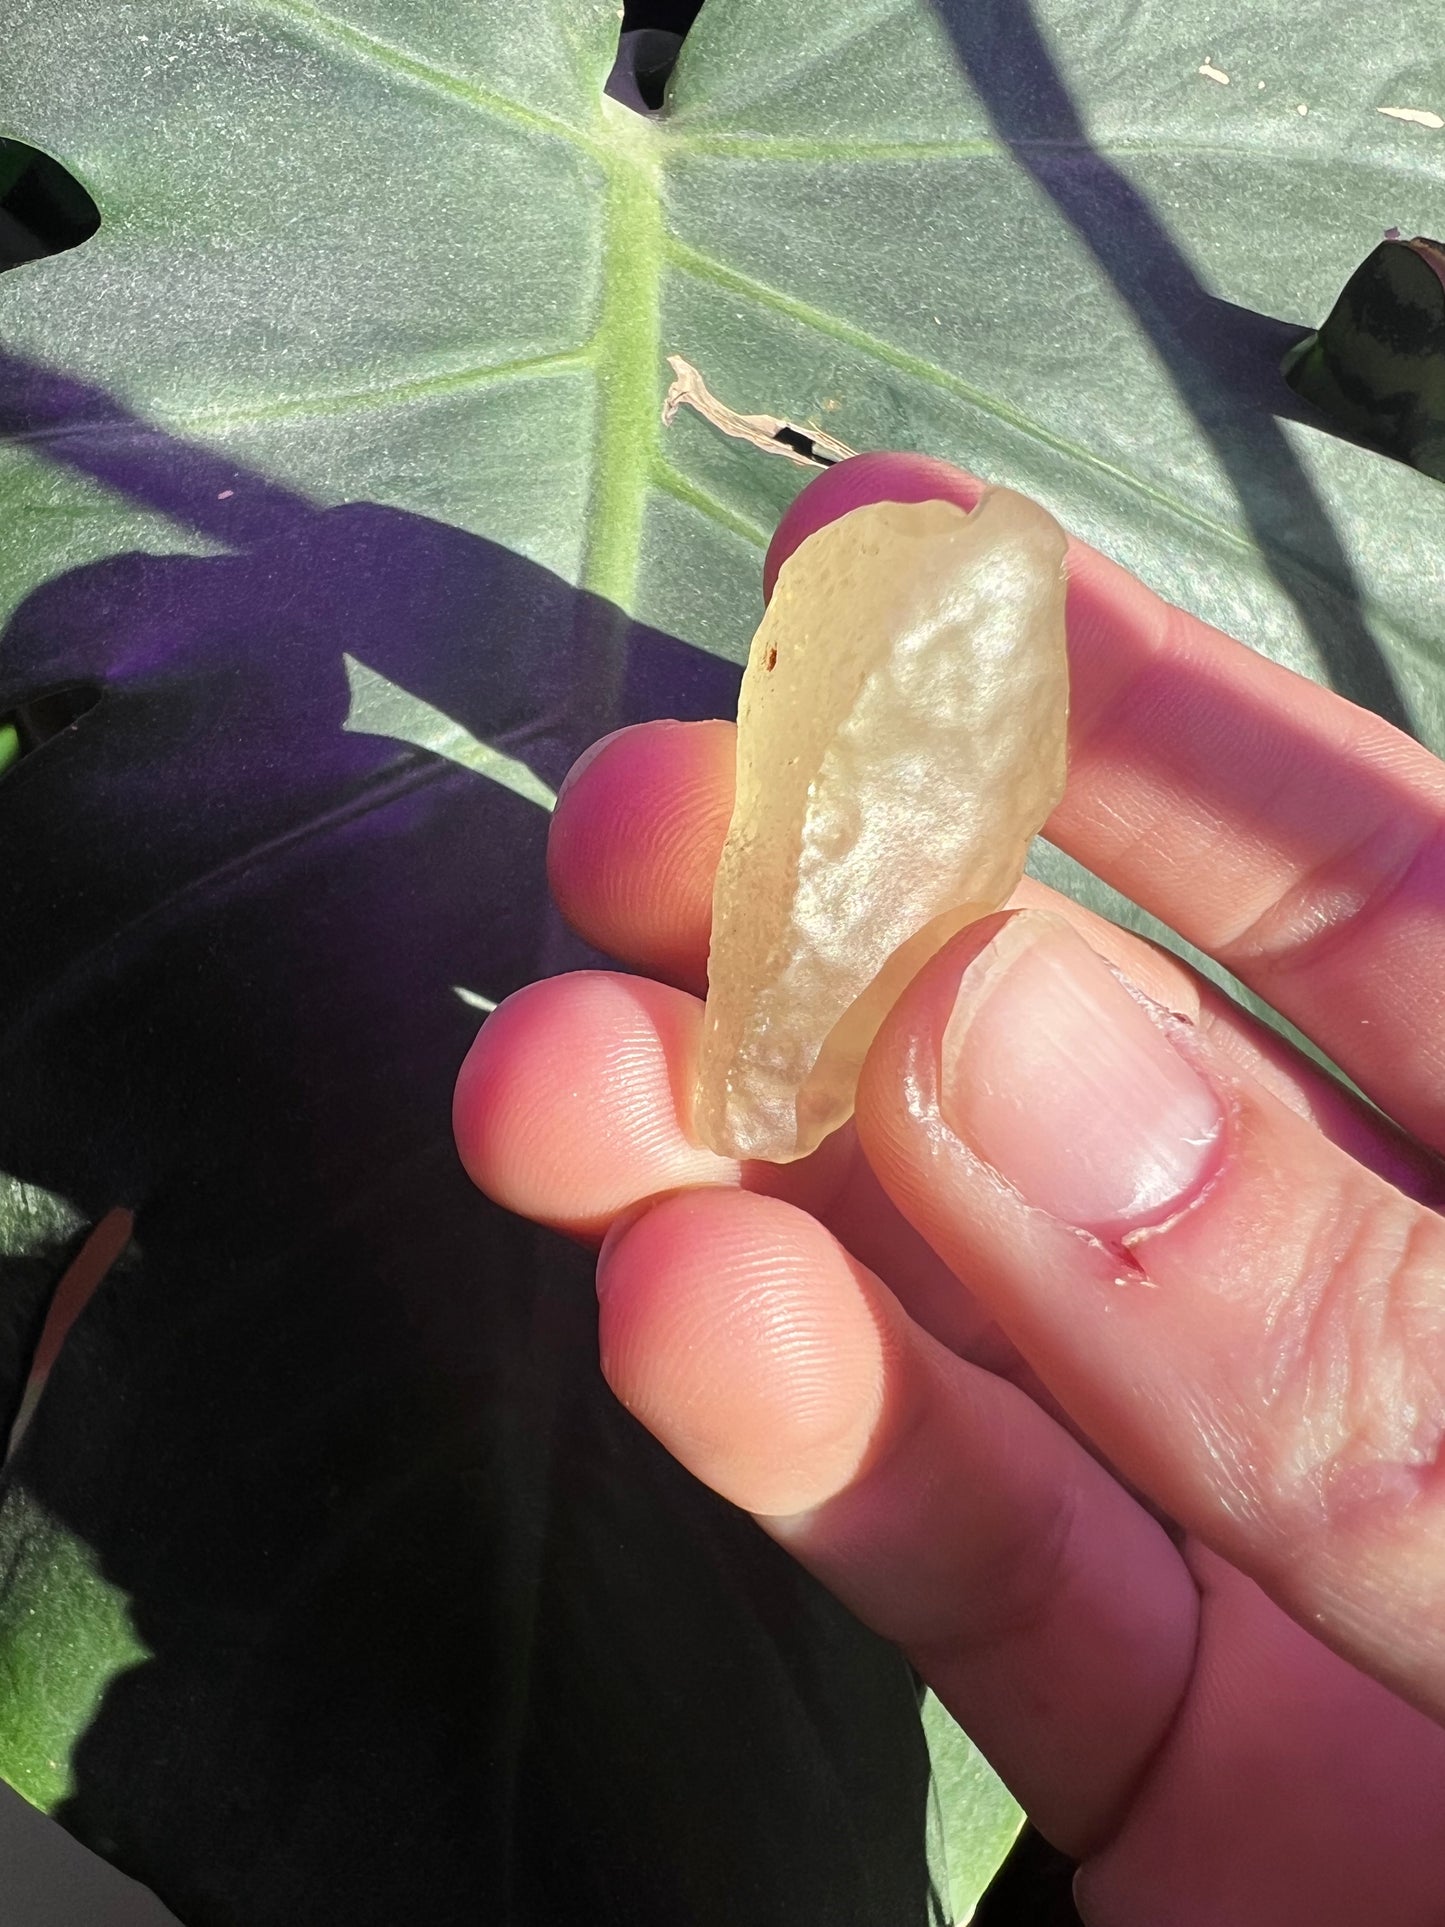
(900, 741)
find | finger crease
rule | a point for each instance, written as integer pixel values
(1326, 909)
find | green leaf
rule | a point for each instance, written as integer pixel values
(69, 1633)
(335, 457)
(974, 1820)
(1001, 245)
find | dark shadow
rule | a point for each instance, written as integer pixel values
(47, 713)
(660, 16)
(434, 1630)
(647, 48)
(1222, 360)
(645, 60)
(1033, 1888)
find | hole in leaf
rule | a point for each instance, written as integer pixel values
(26, 727)
(671, 16)
(647, 49)
(43, 209)
(799, 439)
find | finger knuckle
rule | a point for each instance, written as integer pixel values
(1346, 895)
(1355, 1379)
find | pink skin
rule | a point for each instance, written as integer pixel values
(1100, 1254)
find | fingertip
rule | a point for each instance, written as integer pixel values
(635, 842)
(592, 754)
(882, 477)
(569, 1107)
(747, 1340)
(483, 1095)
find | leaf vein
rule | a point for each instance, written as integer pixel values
(707, 268)
(396, 393)
(805, 148)
(382, 53)
(673, 482)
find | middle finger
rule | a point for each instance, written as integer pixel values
(635, 845)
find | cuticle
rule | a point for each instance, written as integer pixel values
(1202, 1192)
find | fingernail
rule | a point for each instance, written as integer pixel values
(1062, 1081)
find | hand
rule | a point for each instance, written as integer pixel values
(1101, 1362)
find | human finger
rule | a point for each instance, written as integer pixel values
(1050, 1613)
(1290, 1788)
(1248, 1323)
(573, 1107)
(568, 1108)
(634, 848)
(634, 843)
(1157, 1716)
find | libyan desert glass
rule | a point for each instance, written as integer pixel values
(900, 742)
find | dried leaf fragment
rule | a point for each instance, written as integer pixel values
(1421, 116)
(900, 742)
(773, 434)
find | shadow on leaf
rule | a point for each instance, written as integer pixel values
(1223, 360)
(430, 1627)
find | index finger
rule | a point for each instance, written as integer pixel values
(1294, 837)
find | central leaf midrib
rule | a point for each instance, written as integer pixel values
(627, 349)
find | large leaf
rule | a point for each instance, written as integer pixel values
(332, 1578)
